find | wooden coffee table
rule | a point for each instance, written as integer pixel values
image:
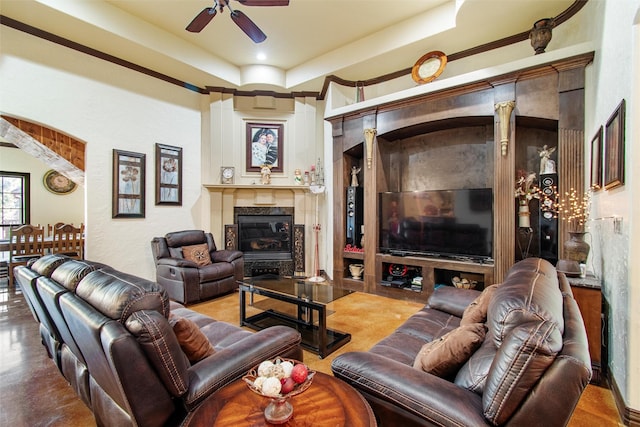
(328, 402)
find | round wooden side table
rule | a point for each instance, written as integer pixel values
(328, 402)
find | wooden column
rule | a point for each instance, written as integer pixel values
(571, 158)
(504, 231)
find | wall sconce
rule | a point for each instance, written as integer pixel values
(368, 139)
(504, 110)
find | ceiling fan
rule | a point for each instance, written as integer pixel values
(241, 20)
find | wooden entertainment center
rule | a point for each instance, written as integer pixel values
(451, 139)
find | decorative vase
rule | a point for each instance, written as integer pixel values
(356, 270)
(576, 249)
(540, 34)
(524, 215)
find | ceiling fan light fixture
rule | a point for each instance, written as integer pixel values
(248, 26)
(241, 20)
(202, 19)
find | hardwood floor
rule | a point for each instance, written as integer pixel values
(35, 394)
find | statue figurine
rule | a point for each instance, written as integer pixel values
(297, 176)
(354, 175)
(265, 173)
(546, 164)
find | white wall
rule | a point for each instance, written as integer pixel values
(611, 78)
(107, 107)
(46, 207)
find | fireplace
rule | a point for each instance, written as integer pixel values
(265, 236)
(271, 243)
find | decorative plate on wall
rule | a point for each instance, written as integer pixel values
(57, 183)
(429, 67)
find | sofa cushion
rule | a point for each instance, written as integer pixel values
(525, 354)
(197, 253)
(117, 295)
(193, 342)
(476, 312)
(72, 272)
(473, 374)
(46, 264)
(445, 355)
(153, 333)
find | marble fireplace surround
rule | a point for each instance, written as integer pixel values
(225, 198)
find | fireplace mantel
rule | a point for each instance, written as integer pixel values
(261, 194)
(259, 187)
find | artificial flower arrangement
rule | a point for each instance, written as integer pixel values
(573, 208)
(526, 188)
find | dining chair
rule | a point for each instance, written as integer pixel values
(68, 240)
(50, 228)
(25, 243)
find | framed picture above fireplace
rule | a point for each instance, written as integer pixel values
(265, 144)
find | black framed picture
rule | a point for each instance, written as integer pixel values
(614, 149)
(596, 160)
(265, 144)
(168, 175)
(128, 184)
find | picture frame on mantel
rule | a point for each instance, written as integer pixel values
(168, 175)
(596, 160)
(265, 146)
(128, 184)
(614, 148)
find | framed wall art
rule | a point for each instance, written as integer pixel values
(168, 175)
(128, 184)
(614, 148)
(596, 160)
(265, 143)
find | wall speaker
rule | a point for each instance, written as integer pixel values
(354, 215)
(548, 224)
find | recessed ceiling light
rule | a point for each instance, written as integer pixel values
(261, 56)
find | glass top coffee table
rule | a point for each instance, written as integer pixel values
(302, 307)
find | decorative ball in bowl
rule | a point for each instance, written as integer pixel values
(279, 379)
(463, 283)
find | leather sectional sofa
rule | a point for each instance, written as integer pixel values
(530, 369)
(111, 336)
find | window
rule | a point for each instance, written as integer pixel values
(15, 201)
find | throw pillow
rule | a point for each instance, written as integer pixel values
(445, 355)
(476, 312)
(192, 341)
(197, 253)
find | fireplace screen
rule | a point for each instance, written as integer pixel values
(265, 236)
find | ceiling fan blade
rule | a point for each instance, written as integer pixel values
(248, 26)
(201, 21)
(264, 2)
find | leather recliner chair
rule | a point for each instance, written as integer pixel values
(185, 280)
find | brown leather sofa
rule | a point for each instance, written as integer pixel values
(530, 369)
(109, 334)
(188, 282)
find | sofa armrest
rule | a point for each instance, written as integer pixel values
(177, 262)
(225, 255)
(452, 300)
(419, 393)
(231, 363)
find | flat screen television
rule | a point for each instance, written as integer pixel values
(437, 223)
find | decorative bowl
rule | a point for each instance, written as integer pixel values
(279, 410)
(463, 283)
